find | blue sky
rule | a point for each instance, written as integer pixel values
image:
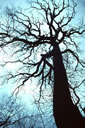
(22, 3)
(13, 3)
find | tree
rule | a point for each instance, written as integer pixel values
(15, 114)
(47, 32)
(12, 113)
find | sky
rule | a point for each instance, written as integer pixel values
(22, 3)
(13, 3)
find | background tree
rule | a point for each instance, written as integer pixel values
(15, 114)
(44, 40)
(12, 113)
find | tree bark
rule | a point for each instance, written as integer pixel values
(66, 114)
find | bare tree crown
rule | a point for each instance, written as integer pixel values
(35, 33)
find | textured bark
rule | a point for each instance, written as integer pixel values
(66, 114)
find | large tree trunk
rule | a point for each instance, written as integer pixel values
(66, 114)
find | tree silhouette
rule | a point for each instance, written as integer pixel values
(44, 40)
